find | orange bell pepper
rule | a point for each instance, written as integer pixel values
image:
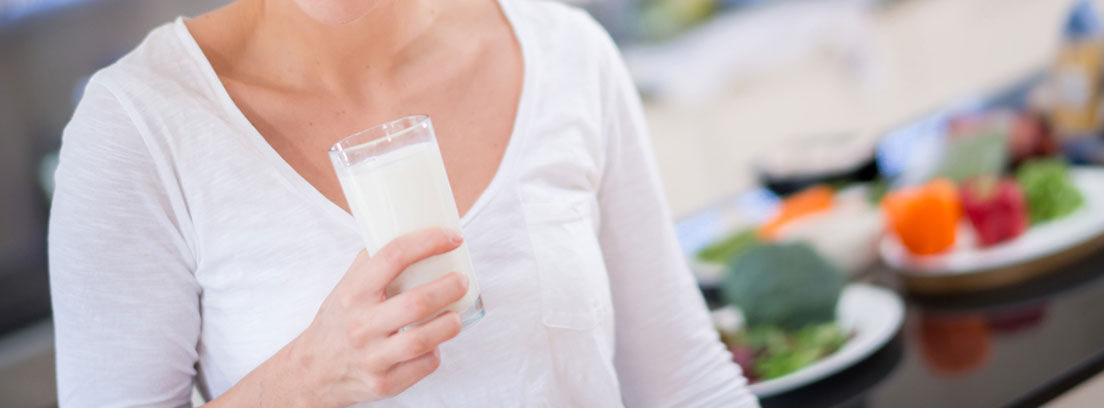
(809, 201)
(955, 344)
(924, 218)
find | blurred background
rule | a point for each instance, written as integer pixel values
(735, 92)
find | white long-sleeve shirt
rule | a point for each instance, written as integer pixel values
(184, 250)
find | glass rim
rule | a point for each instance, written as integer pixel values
(415, 122)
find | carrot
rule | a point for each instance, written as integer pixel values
(809, 201)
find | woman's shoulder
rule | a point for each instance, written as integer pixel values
(556, 24)
(143, 96)
(550, 13)
(160, 69)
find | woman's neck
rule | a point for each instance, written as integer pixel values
(277, 43)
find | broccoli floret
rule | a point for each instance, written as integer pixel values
(786, 285)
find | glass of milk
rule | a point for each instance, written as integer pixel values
(395, 183)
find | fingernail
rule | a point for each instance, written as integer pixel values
(463, 279)
(455, 238)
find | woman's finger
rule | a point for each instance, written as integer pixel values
(416, 341)
(405, 374)
(404, 251)
(419, 303)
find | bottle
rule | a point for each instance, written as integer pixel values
(1075, 77)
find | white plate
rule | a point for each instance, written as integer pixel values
(1037, 242)
(852, 251)
(872, 314)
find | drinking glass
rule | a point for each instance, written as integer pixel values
(395, 183)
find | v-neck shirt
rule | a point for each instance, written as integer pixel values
(295, 180)
(185, 252)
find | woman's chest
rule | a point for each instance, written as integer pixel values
(539, 269)
(473, 114)
(260, 229)
(271, 251)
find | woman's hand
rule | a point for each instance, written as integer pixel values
(353, 351)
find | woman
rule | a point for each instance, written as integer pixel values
(199, 235)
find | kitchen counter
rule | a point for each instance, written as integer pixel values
(922, 55)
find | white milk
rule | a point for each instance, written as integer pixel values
(405, 191)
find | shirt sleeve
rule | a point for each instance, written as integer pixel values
(126, 303)
(667, 352)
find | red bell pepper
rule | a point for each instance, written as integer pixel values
(996, 209)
